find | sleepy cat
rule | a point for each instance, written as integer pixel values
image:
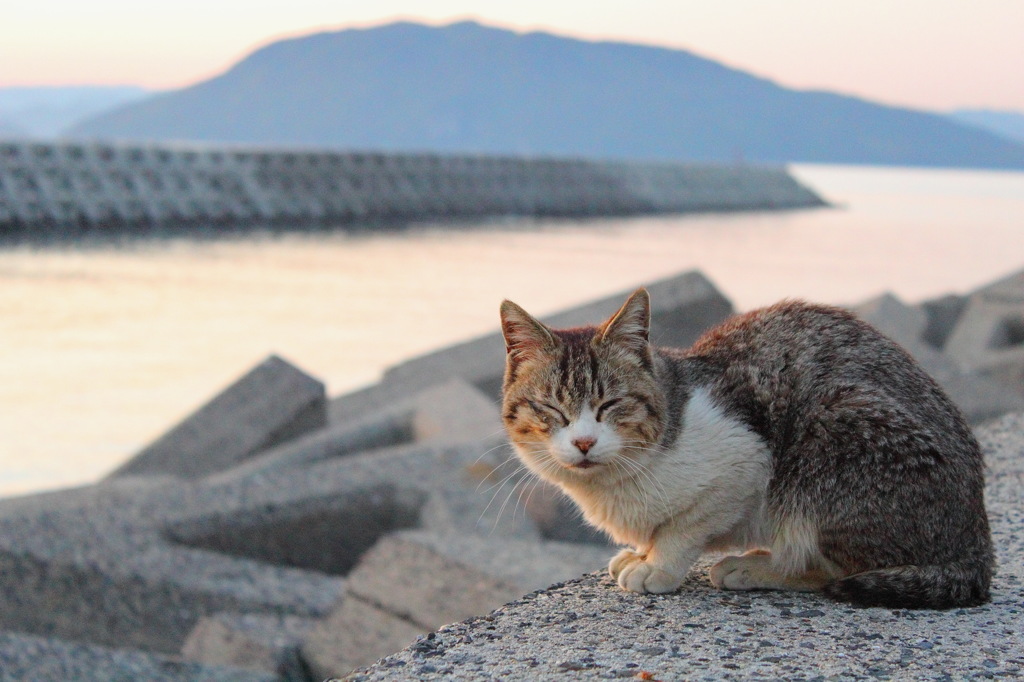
(795, 432)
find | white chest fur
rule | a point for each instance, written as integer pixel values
(712, 480)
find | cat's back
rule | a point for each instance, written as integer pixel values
(791, 329)
(786, 364)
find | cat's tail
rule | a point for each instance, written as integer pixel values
(962, 583)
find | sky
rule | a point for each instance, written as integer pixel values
(926, 54)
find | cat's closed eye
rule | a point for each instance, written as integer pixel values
(549, 414)
(605, 406)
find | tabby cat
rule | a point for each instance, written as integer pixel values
(796, 432)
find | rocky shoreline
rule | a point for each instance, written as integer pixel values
(281, 534)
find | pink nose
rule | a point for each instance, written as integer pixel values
(584, 444)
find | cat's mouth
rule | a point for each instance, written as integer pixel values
(585, 464)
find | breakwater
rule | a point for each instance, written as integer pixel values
(87, 186)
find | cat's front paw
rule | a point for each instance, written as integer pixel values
(621, 560)
(634, 573)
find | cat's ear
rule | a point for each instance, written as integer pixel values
(631, 326)
(525, 336)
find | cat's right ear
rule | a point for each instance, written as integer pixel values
(525, 336)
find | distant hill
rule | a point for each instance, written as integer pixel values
(48, 111)
(472, 88)
(1009, 124)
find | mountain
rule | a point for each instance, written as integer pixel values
(472, 88)
(48, 111)
(1009, 124)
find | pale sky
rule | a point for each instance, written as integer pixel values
(929, 54)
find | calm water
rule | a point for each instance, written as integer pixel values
(104, 348)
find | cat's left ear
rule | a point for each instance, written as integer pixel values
(631, 326)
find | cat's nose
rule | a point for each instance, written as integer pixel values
(584, 444)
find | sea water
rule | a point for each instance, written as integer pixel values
(104, 347)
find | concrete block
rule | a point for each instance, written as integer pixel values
(24, 657)
(989, 336)
(136, 590)
(263, 642)
(322, 535)
(1008, 289)
(357, 633)
(271, 404)
(682, 308)
(943, 314)
(455, 411)
(285, 187)
(919, 329)
(981, 398)
(389, 427)
(140, 568)
(126, 491)
(902, 323)
(365, 403)
(484, 491)
(456, 575)
(519, 501)
(452, 412)
(137, 563)
(412, 582)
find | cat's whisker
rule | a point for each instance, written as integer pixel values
(526, 505)
(621, 465)
(546, 463)
(501, 509)
(497, 432)
(524, 482)
(495, 471)
(490, 450)
(504, 479)
(646, 446)
(645, 474)
(539, 481)
(498, 487)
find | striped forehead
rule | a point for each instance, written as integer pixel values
(577, 375)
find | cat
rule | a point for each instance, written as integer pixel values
(795, 432)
